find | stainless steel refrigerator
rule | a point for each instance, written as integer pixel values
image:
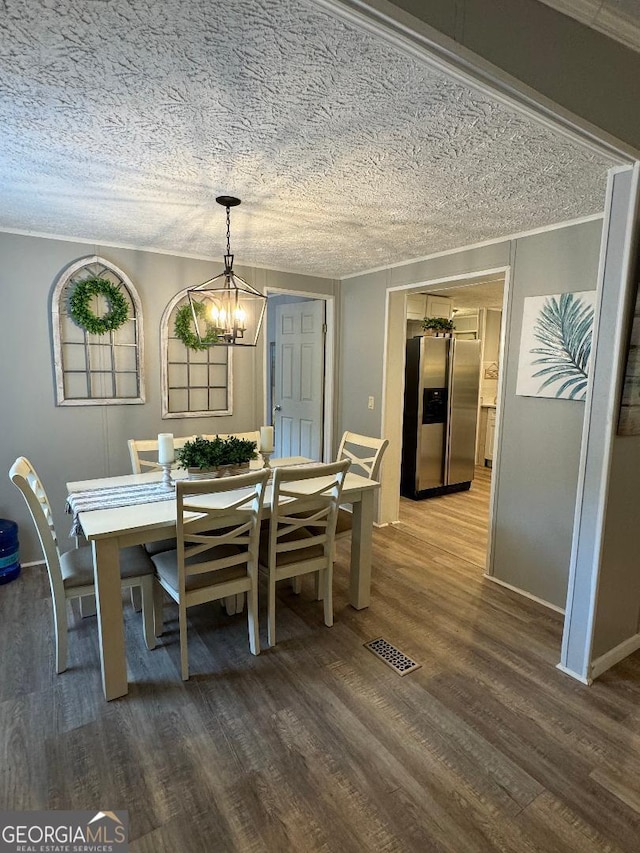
(442, 385)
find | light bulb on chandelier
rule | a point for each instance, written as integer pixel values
(226, 320)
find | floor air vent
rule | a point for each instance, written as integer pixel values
(393, 657)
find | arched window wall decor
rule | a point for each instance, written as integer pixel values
(195, 382)
(97, 369)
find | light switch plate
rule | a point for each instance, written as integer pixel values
(371, 403)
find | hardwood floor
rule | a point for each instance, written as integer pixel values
(316, 745)
(457, 523)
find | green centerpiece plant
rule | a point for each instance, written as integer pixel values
(216, 457)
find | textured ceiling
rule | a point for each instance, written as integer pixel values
(122, 121)
(477, 294)
(618, 19)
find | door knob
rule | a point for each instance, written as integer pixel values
(277, 408)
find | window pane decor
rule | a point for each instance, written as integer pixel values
(93, 368)
(195, 382)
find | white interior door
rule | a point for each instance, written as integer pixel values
(299, 379)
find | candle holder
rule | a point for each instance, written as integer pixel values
(266, 456)
(167, 482)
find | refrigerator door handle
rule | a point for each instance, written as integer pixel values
(418, 448)
(447, 439)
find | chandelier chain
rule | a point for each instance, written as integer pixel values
(228, 231)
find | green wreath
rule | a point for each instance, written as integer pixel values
(182, 327)
(118, 308)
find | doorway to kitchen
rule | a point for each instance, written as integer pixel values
(456, 517)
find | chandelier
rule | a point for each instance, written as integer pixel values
(226, 310)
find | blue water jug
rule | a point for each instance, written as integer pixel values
(9, 551)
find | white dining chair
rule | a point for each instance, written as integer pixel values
(217, 550)
(365, 454)
(71, 573)
(299, 539)
(148, 447)
(146, 463)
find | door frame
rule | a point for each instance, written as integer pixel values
(393, 388)
(329, 365)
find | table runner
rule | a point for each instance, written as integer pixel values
(114, 496)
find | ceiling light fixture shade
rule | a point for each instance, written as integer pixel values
(226, 310)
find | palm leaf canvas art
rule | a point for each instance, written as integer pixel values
(555, 348)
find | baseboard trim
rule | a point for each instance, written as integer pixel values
(34, 563)
(524, 593)
(614, 656)
(572, 674)
(379, 524)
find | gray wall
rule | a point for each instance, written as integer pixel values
(361, 353)
(71, 443)
(618, 608)
(540, 438)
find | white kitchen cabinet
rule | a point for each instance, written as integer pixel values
(490, 435)
(420, 305)
(438, 306)
(466, 326)
(416, 306)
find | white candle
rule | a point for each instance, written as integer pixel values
(165, 448)
(266, 439)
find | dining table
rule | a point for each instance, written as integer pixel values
(114, 527)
